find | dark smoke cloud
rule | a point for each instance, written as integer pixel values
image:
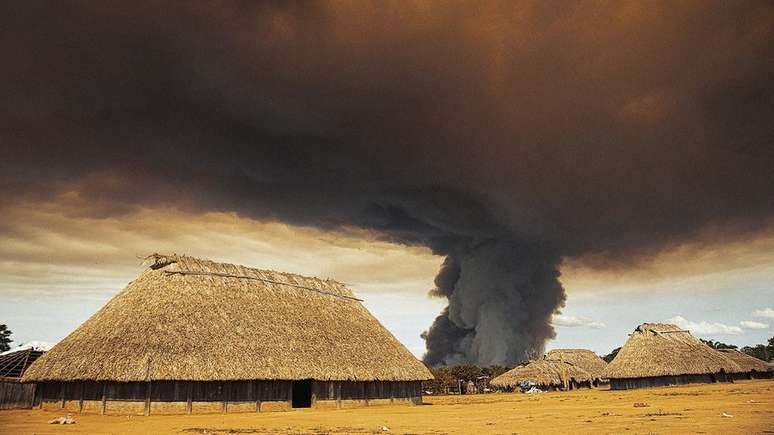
(504, 136)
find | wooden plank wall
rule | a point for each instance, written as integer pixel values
(332, 390)
(15, 395)
(227, 396)
(661, 381)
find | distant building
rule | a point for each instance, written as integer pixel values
(192, 335)
(583, 358)
(751, 367)
(546, 375)
(13, 364)
(659, 354)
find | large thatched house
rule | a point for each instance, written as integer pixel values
(658, 354)
(750, 367)
(583, 358)
(546, 375)
(193, 335)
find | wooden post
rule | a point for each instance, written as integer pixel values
(26, 360)
(80, 402)
(290, 394)
(257, 390)
(62, 394)
(338, 394)
(188, 405)
(39, 389)
(226, 391)
(104, 397)
(365, 393)
(147, 397)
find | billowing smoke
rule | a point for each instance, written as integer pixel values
(503, 136)
(501, 297)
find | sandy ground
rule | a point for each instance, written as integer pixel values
(686, 409)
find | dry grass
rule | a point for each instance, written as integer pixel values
(661, 349)
(192, 319)
(669, 410)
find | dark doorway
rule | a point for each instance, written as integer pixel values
(302, 394)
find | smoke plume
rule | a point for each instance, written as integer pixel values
(503, 136)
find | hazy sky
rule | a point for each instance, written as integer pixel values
(553, 173)
(57, 270)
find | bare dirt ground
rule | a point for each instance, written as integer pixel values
(748, 406)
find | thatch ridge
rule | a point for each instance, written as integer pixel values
(542, 372)
(186, 265)
(192, 319)
(747, 363)
(663, 349)
(583, 358)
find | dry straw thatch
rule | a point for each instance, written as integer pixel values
(191, 319)
(662, 349)
(747, 363)
(542, 372)
(583, 358)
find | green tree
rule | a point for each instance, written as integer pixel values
(466, 372)
(717, 344)
(611, 356)
(759, 351)
(443, 379)
(5, 338)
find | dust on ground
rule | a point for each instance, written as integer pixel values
(745, 407)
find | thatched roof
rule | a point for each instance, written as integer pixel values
(583, 358)
(14, 364)
(191, 319)
(747, 363)
(662, 349)
(542, 372)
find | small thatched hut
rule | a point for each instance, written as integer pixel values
(658, 354)
(750, 367)
(192, 335)
(546, 375)
(583, 358)
(13, 364)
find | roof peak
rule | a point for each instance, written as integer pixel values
(188, 265)
(659, 328)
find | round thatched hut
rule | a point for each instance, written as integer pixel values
(659, 354)
(751, 367)
(546, 375)
(192, 335)
(583, 358)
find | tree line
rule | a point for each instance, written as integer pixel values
(448, 378)
(763, 352)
